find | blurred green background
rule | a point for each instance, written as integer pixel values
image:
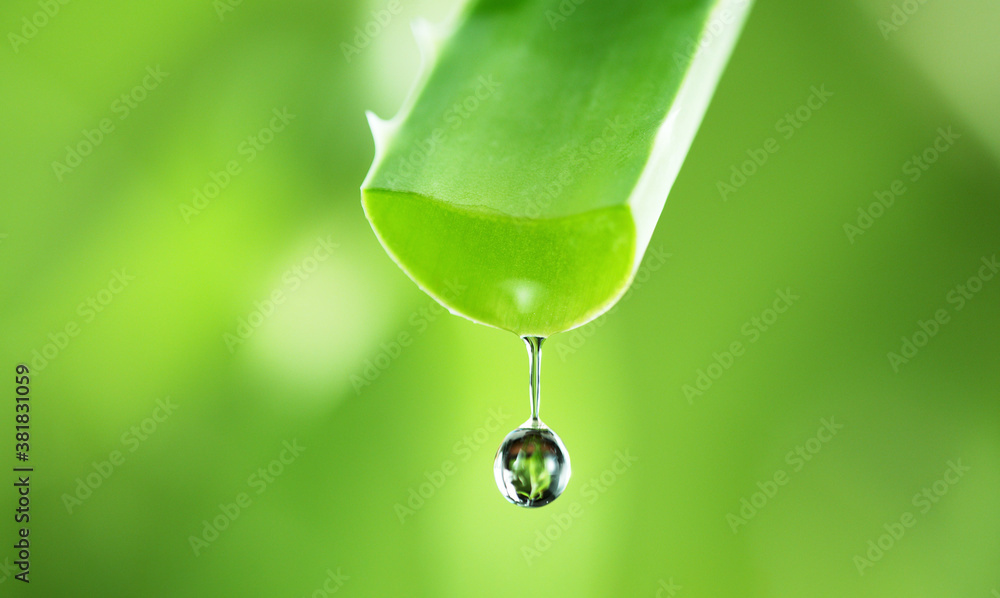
(374, 425)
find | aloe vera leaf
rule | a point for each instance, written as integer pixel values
(520, 183)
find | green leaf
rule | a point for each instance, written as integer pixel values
(530, 476)
(532, 161)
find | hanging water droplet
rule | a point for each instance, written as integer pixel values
(532, 465)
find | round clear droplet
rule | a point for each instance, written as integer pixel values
(532, 465)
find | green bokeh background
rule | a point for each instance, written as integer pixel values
(619, 388)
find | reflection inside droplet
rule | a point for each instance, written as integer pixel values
(532, 466)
